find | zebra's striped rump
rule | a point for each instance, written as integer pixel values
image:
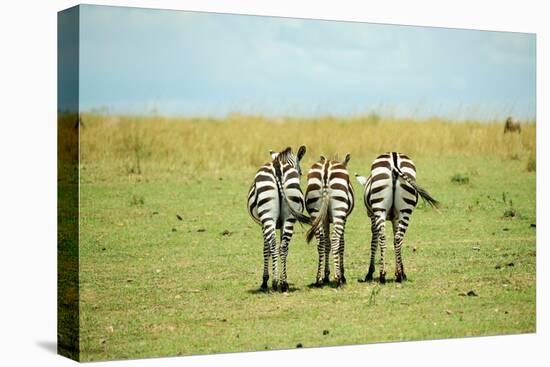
(275, 201)
(329, 199)
(391, 193)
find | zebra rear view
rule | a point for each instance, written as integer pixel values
(391, 193)
(276, 201)
(329, 199)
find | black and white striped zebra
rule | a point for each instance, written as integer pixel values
(329, 199)
(276, 201)
(391, 193)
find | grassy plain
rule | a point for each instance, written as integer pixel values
(154, 285)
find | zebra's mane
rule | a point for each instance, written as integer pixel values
(284, 156)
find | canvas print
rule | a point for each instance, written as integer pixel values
(235, 183)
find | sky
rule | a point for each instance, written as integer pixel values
(205, 64)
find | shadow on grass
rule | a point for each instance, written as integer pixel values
(331, 284)
(377, 281)
(291, 289)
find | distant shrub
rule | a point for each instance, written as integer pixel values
(531, 164)
(135, 145)
(460, 178)
(137, 200)
(473, 172)
(374, 117)
(511, 212)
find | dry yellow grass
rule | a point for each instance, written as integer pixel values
(206, 146)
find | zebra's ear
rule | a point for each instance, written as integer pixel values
(273, 154)
(322, 158)
(361, 179)
(301, 152)
(346, 160)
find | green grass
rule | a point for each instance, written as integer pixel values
(154, 285)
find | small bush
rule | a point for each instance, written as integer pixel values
(460, 178)
(372, 298)
(511, 213)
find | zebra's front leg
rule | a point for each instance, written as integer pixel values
(335, 247)
(286, 236)
(373, 247)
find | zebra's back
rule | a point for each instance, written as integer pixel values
(264, 199)
(333, 177)
(384, 191)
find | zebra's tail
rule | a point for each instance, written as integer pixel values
(425, 195)
(322, 218)
(299, 216)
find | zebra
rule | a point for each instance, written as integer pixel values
(276, 201)
(512, 125)
(329, 199)
(391, 193)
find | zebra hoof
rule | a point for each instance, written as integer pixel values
(399, 277)
(343, 280)
(326, 279)
(368, 278)
(275, 286)
(263, 287)
(382, 278)
(284, 287)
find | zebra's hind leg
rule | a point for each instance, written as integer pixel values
(321, 251)
(399, 229)
(286, 236)
(373, 247)
(341, 254)
(326, 248)
(274, 263)
(380, 228)
(269, 248)
(335, 247)
(268, 235)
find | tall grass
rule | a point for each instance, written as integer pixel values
(131, 144)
